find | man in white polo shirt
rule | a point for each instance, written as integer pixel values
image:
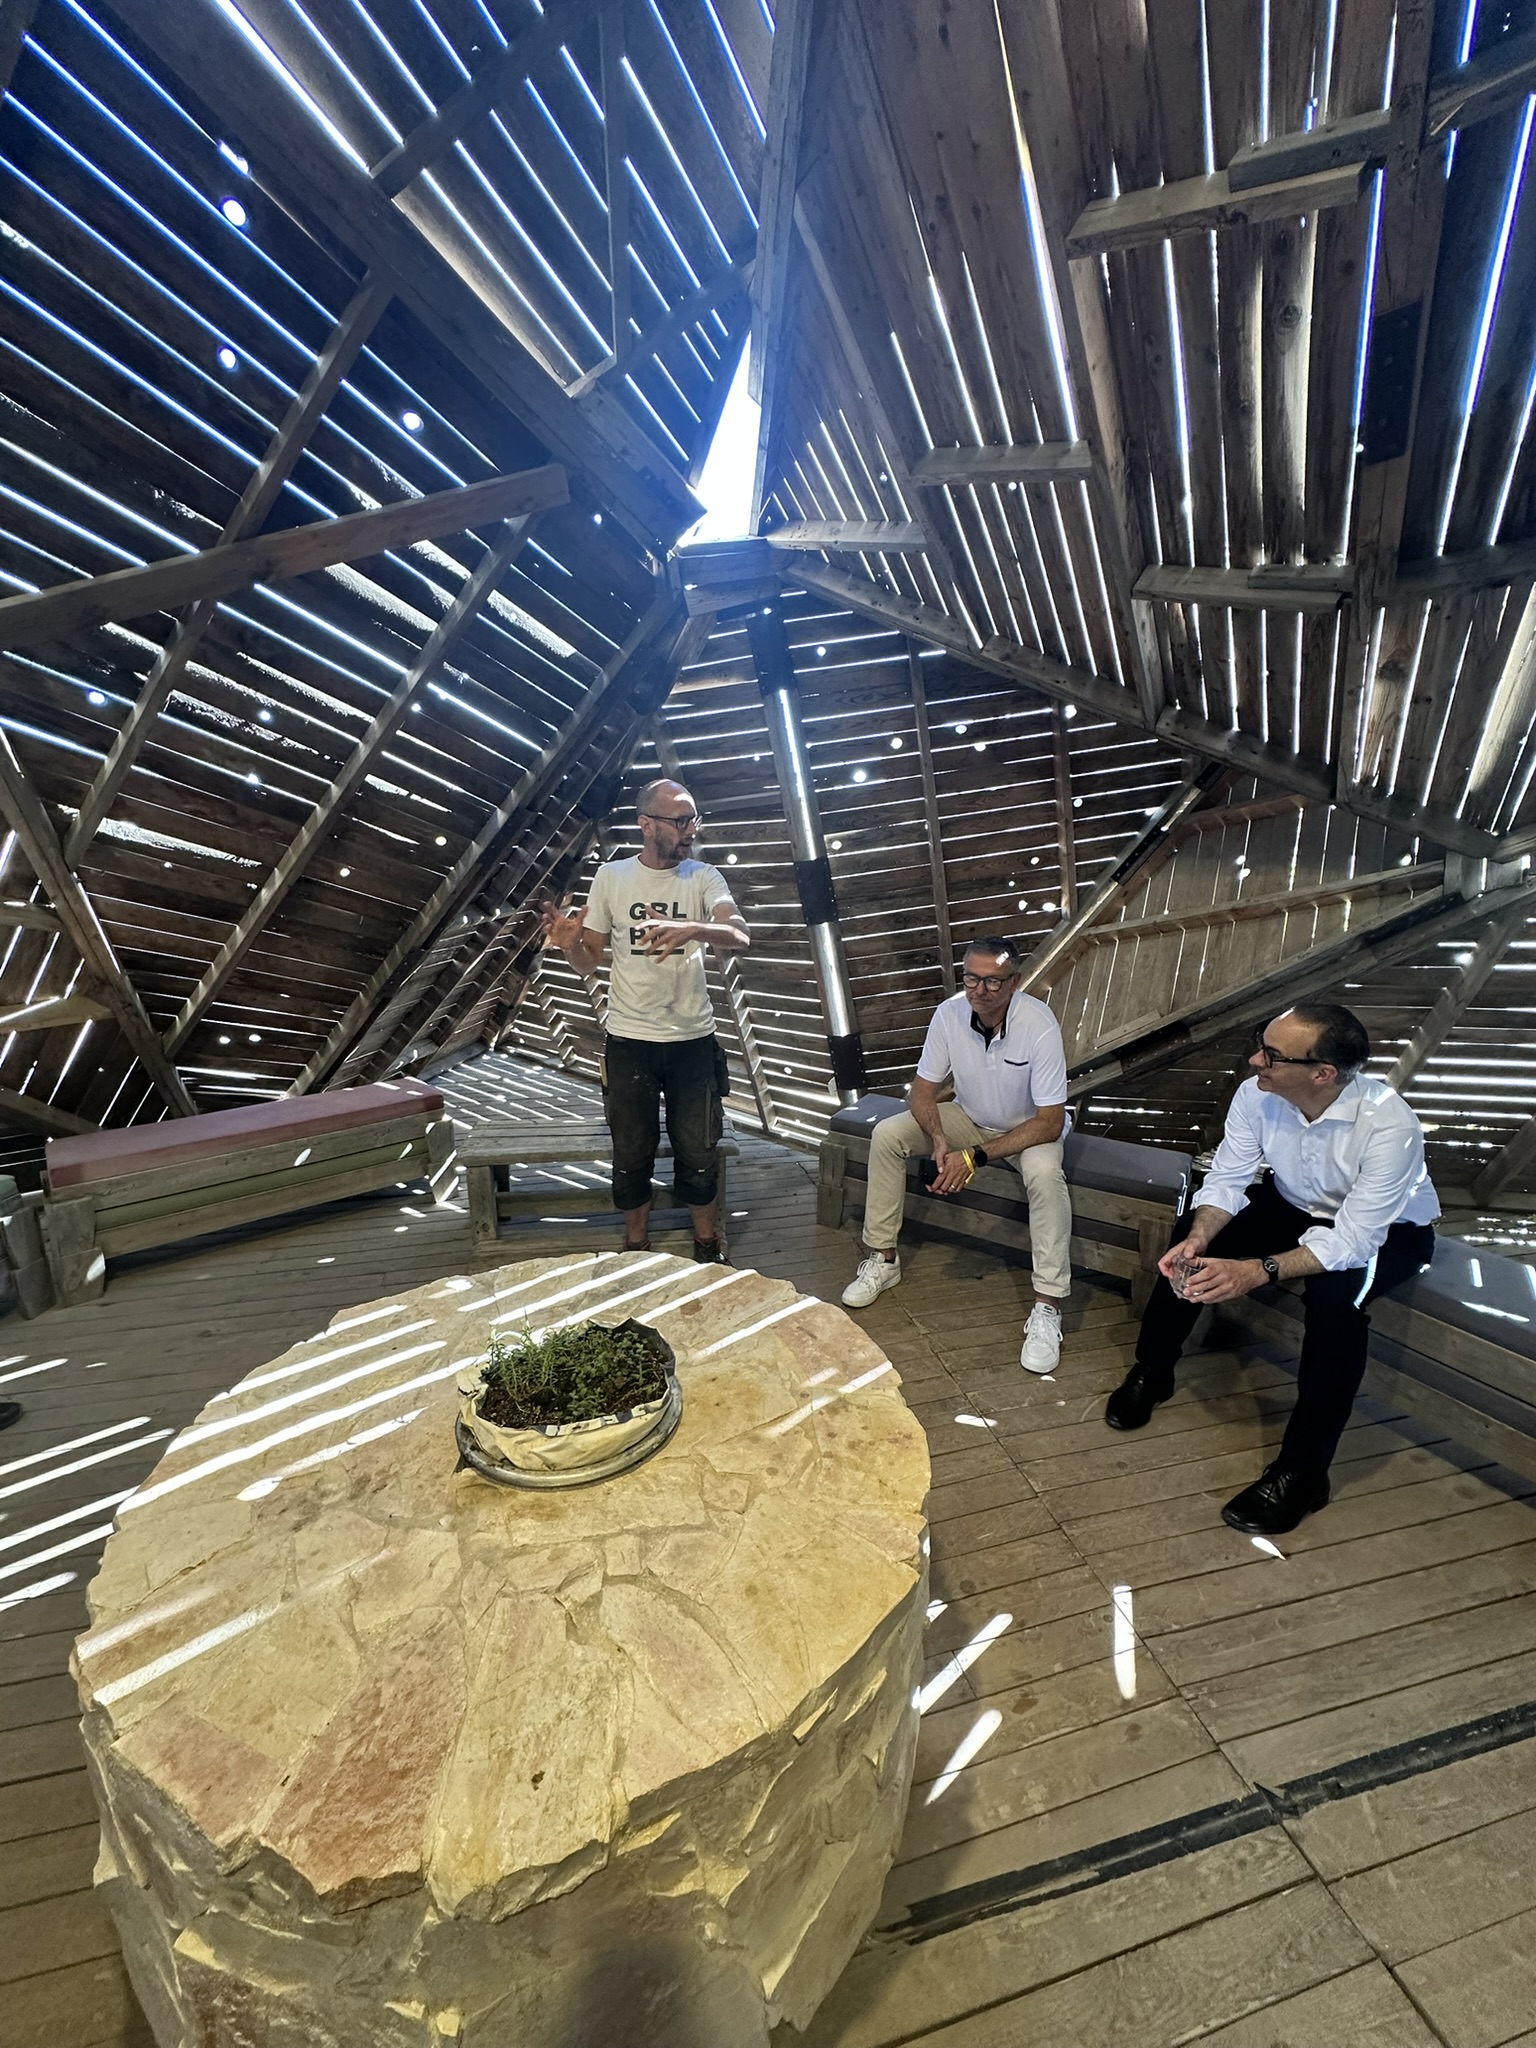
(1004, 1051)
(1347, 1210)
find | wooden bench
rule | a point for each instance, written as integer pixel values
(109, 1192)
(491, 1150)
(1125, 1198)
(1455, 1346)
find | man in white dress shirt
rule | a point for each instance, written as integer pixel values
(1004, 1051)
(1347, 1209)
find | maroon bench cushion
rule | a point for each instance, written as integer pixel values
(100, 1155)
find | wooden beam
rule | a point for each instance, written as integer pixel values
(787, 72)
(1060, 171)
(461, 614)
(296, 163)
(31, 917)
(654, 642)
(52, 1012)
(40, 844)
(1456, 998)
(1313, 781)
(901, 467)
(1066, 831)
(41, 1116)
(261, 493)
(1037, 462)
(616, 174)
(1196, 206)
(931, 814)
(1243, 909)
(495, 80)
(718, 290)
(1514, 1162)
(1477, 569)
(1495, 80)
(1317, 972)
(272, 557)
(1278, 586)
(850, 536)
(1358, 139)
(1152, 843)
(16, 18)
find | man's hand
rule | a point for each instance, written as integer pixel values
(1171, 1264)
(950, 1170)
(562, 929)
(1211, 1280)
(662, 936)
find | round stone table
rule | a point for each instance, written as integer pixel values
(386, 1754)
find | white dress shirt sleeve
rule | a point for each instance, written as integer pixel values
(1239, 1156)
(1390, 1168)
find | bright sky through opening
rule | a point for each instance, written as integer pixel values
(725, 488)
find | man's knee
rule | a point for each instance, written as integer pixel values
(1334, 1293)
(894, 1137)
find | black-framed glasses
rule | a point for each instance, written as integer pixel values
(989, 983)
(661, 818)
(1259, 1048)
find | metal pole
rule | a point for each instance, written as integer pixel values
(813, 872)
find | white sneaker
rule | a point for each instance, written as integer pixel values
(872, 1278)
(1042, 1339)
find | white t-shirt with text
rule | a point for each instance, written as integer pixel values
(655, 1000)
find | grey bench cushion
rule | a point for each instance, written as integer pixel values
(1141, 1171)
(1483, 1292)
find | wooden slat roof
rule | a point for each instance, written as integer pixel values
(1138, 395)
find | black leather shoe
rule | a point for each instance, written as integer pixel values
(10, 1411)
(710, 1252)
(1130, 1405)
(1276, 1502)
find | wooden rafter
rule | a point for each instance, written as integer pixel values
(295, 162)
(788, 70)
(655, 642)
(31, 917)
(1066, 833)
(1456, 998)
(931, 817)
(49, 1013)
(1058, 174)
(851, 536)
(41, 1116)
(461, 614)
(902, 460)
(1067, 685)
(261, 493)
(1280, 586)
(1514, 1162)
(1027, 462)
(185, 579)
(1241, 909)
(496, 79)
(29, 820)
(616, 174)
(1313, 973)
(1196, 206)
(1495, 80)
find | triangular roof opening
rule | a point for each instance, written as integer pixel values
(724, 487)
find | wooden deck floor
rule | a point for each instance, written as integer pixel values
(1296, 1808)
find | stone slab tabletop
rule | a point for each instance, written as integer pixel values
(388, 1755)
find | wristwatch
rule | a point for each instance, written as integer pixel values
(1271, 1268)
(978, 1156)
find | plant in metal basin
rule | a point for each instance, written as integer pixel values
(570, 1406)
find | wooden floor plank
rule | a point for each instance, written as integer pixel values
(1481, 1990)
(1395, 1821)
(1198, 1978)
(1364, 2008)
(1441, 1893)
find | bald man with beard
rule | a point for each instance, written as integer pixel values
(658, 910)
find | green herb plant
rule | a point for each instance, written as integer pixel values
(571, 1375)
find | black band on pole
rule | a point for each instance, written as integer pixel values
(848, 1073)
(813, 878)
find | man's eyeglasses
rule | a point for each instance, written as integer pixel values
(1259, 1048)
(990, 984)
(661, 818)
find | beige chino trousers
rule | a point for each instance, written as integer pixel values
(900, 1138)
